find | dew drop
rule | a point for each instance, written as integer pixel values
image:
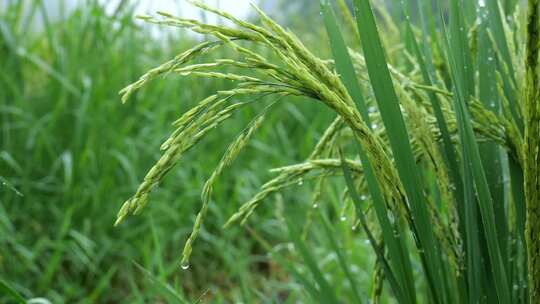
(185, 265)
(343, 218)
(300, 182)
(315, 206)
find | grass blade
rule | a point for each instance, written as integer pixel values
(344, 65)
(449, 150)
(341, 258)
(399, 141)
(471, 153)
(326, 291)
(491, 155)
(163, 288)
(397, 249)
(14, 295)
(507, 68)
(378, 251)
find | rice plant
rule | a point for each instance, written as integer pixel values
(436, 138)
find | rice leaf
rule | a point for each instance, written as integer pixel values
(507, 67)
(378, 251)
(164, 289)
(343, 263)
(449, 150)
(326, 291)
(12, 293)
(472, 160)
(393, 239)
(491, 154)
(399, 141)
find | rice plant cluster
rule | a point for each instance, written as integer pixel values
(435, 137)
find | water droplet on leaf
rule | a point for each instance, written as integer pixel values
(185, 265)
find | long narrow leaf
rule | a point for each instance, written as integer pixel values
(471, 151)
(341, 258)
(8, 291)
(401, 148)
(380, 254)
(326, 291)
(395, 241)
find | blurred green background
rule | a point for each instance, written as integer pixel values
(70, 154)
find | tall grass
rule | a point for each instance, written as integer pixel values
(440, 107)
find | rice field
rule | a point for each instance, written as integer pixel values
(379, 152)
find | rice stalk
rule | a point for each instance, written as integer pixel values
(531, 146)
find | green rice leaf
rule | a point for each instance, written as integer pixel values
(399, 141)
(397, 248)
(491, 154)
(326, 291)
(472, 161)
(507, 67)
(12, 293)
(343, 263)
(343, 61)
(378, 251)
(449, 151)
